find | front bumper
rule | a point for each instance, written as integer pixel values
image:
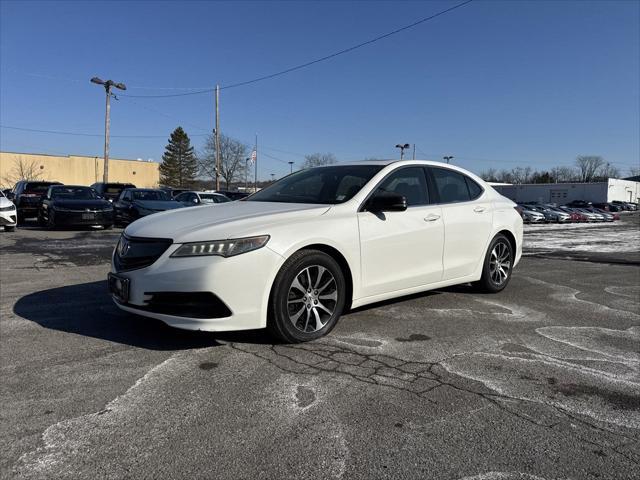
(8, 218)
(72, 218)
(241, 283)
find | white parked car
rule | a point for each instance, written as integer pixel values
(8, 215)
(297, 254)
(192, 198)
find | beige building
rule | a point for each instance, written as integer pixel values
(75, 169)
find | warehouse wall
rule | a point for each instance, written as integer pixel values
(562, 193)
(623, 190)
(76, 169)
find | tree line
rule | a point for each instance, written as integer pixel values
(587, 169)
(182, 166)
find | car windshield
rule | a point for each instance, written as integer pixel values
(321, 185)
(150, 195)
(73, 193)
(211, 198)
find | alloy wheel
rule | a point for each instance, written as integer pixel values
(500, 263)
(312, 298)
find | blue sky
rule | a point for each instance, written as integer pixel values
(494, 83)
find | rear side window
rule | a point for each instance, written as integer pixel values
(451, 186)
(37, 187)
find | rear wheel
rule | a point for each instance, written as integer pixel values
(308, 297)
(498, 265)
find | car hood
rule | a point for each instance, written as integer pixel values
(158, 204)
(81, 204)
(221, 221)
(5, 202)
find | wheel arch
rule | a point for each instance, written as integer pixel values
(511, 237)
(342, 262)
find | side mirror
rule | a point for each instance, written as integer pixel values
(10, 196)
(387, 202)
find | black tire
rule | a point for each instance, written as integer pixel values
(51, 221)
(318, 315)
(41, 221)
(493, 280)
(109, 226)
(10, 229)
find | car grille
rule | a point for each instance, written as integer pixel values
(134, 252)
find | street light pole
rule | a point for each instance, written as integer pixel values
(107, 120)
(217, 137)
(402, 147)
(448, 158)
(291, 165)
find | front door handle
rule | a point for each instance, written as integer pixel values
(432, 217)
(479, 209)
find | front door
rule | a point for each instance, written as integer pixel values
(400, 250)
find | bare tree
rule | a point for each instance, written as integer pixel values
(589, 165)
(608, 171)
(318, 159)
(634, 171)
(23, 170)
(490, 175)
(564, 174)
(233, 155)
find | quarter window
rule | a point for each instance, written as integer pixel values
(475, 190)
(409, 182)
(451, 185)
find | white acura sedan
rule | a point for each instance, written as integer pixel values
(297, 254)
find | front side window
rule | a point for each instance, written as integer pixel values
(409, 182)
(321, 185)
(451, 185)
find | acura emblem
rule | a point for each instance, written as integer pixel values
(123, 247)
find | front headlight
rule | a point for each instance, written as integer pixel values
(7, 209)
(222, 248)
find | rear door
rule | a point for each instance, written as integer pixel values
(468, 221)
(400, 250)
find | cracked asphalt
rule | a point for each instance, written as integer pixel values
(538, 382)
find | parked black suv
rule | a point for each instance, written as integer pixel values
(110, 191)
(27, 197)
(233, 194)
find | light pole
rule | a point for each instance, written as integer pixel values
(273, 176)
(107, 121)
(448, 158)
(291, 165)
(402, 147)
(246, 173)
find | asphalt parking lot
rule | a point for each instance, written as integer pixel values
(540, 381)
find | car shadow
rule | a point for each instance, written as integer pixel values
(87, 309)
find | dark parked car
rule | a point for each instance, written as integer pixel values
(626, 205)
(579, 204)
(111, 191)
(74, 205)
(134, 203)
(233, 195)
(27, 197)
(608, 207)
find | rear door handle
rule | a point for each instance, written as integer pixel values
(479, 209)
(432, 217)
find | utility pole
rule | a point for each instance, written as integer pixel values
(255, 163)
(217, 137)
(414, 151)
(291, 165)
(107, 119)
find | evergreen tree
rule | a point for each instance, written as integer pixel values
(179, 165)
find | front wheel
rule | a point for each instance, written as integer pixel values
(307, 298)
(498, 265)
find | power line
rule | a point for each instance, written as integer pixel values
(81, 134)
(312, 62)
